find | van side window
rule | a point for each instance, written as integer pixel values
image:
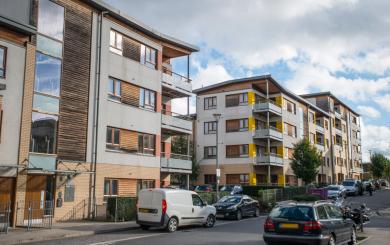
(196, 201)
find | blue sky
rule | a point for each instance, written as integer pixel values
(342, 46)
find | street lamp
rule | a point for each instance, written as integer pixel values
(217, 116)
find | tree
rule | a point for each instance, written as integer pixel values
(305, 161)
(386, 172)
(378, 164)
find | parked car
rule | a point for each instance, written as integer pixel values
(308, 223)
(383, 182)
(335, 191)
(204, 188)
(237, 206)
(233, 189)
(353, 187)
(170, 208)
(366, 184)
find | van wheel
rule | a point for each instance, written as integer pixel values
(145, 227)
(257, 212)
(239, 215)
(172, 224)
(210, 222)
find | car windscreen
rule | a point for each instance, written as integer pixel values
(297, 213)
(230, 199)
(333, 188)
(227, 188)
(348, 183)
(202, 188)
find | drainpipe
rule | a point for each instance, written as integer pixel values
(332, 149)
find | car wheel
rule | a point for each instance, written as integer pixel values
(353, 237)
(145, 227)
(210, 221)
(239, 215)
(257, 212)
(331, 240)
(172, 224)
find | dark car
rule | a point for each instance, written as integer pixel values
(308, 223)
(203, 188)
(237, 206)
(233, 189)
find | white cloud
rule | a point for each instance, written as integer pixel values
(368, 111)
(383, 101)
(376, 139)
(211, 74)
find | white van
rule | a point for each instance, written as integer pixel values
(171, 208)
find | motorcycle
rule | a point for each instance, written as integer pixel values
(360, 216)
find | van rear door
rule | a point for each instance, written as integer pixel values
(150, 206)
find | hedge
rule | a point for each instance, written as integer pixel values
(253, 190)
(211, 197)
(306, 198)
(121, 208)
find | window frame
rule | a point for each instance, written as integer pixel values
(115, 96)
(210, 179)
(4, 62)
(213, 105)
(115, 47)
(207, 156)
(112, 144)
(206, 127)
(144, 143)
(146, 56)
(110, 188)
(146, 95)
(286, 104)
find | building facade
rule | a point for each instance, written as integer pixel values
(90, 113)
(258, 122)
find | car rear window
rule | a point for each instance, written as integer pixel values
(348, 183)
(298, 213)
(333, 188)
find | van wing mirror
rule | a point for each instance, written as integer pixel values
(205, 203)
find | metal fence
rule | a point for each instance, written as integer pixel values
(5, 216)
(35, 214)
(278, 195)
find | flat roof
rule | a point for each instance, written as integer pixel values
(136, 24)
(328, 93)
(261, 77)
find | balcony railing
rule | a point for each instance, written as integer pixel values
(338, 130)
(272, 159)
(320, 146)
(176, 162)
(176, 76)
(337, 114)
(270, 132)
(176, 122)
(267, 105)
(176, 85)
(320, 128)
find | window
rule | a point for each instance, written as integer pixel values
(114, 89)
(43, 133)
(51, 19)
(333, 212)
(242, 179)
(112, 137)
(244, 124)
(47, 75)
(290, 130)
(210, 152)
(210, 127)
(233, 151)
(236, 99)
(311, 117)
(210, 103)
(116, 42)
(110, 187)
(146, 144)
(343, 128)
(147, 99)
(354, 134)
(354, 119)
(321, 212)
(326, 123)
(145, 184)
(196, 201)
(210, 179)
(237, 125)
(289, 106)
(288, 153)
(69, 191)
(312, 138)
(43, 103)
(148, 56)
(3, 58)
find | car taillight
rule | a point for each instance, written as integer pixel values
(312, 226)
(269, 225)
(164, 206)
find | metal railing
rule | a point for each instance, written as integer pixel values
(278, 195)
(35, 214)
(5, 215)
(177, 156)
(176, 76)
(176, 115)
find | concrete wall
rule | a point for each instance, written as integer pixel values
(12, 105)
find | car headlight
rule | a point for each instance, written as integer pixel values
(232, 208)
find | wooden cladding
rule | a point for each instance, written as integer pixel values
(232, 150)
(232, 125)
(131, 49)
(130, 94)
(127, 187)
(128, 140)
(73, 123)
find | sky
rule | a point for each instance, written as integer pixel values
(342, 46)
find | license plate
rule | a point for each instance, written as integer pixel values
(146, 210)
(220, 216)
(288, 226)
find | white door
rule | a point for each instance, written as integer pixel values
(199, 210)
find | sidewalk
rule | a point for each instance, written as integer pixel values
(64, 230)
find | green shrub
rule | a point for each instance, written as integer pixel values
(306, 198)
(121, 208)
(253, 190)
(211, 197)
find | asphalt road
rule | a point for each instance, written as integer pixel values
(246, 231)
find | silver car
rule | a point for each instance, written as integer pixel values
(335, 191)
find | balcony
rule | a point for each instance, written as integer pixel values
(271, 132)
(272, 159)
(320, 146)
(175, 85)
(175, 123)
(337, 114)
(268, 106)
(338, 131)
(176, 163)
(320, 129)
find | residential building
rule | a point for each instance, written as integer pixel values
(91, 97)
(259, 124)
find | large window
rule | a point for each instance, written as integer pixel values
(113, 138)
(51, 19)
(233, 151)
(148, 56)
(110, 188)
(116, 42)
(210, 127)
(3, 58)
(290, 130)
(114, 89)
(43, 133)
(147, 99)
(210, 152)
(145, 184)
(289, 106)
(210, 179)
(146, 144)
(236, 99)
(237, 125)
(210, 103)
(311, 117)
(47, 75)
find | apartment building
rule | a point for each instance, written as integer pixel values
(258, 122)
(346, 134)
(91, 107)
